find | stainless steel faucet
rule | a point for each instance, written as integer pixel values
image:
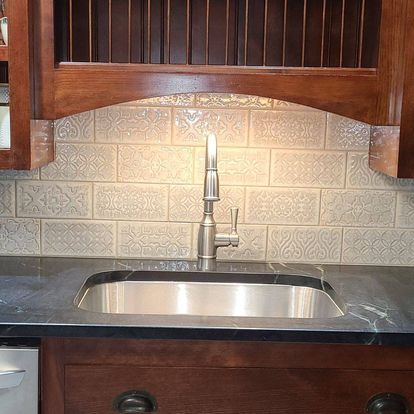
(208, 238)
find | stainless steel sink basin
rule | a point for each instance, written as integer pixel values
(167, 293)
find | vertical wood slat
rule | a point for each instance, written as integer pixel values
(188, 37)
(304, 21)
(71, 30)
(226, 53)
(168, 32)
(246, 33)
(285, 9)
(110, 30)
(149, 31)
(341, 53)
(207, 52)
(265, 24)
(90, 25)
(129, 31)
(361, 33)
(323, 32)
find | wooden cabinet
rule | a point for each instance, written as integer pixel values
(183, 377)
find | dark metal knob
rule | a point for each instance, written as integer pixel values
(132, 402)
(388, 404)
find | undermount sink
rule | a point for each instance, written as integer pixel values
(209, 295)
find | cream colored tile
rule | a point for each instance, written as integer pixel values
(405, 210)
(287, 129)
(230, 100)
(78, 238)
(133, 125)
(155, 164)
(282, 206)
(19, 237)
(308, 169)
(359, 175)
(131, 201)
(358, 208)
(185, 99)
(54, 199)
(304, 244)
(237, 166)
(7, 199)
(154, 240)
(76, 128)
(191, 126)
(289, 106)
(77, 162)
(378, 247)
(346, 134)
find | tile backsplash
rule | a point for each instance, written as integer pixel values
(127, 182)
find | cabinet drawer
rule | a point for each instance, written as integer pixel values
(91, 389)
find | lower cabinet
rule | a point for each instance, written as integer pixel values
(183, 377)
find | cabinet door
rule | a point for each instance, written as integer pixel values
(92, 389)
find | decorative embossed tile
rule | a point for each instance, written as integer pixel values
(358, 208)
(54, 199)
(273, 129)
(78, 238)
(282, 206)
(155, 164)
(359, 175)
(185, 99)
(19, 237)
(308, 169)
(230, 100)
(19, 175)
(7, 199)
(237, 166)
(304, 244)
(77, 162)
(346, 134)
(186, 204)
(76, 128)
(154, 240)
(290, 106)
(378, 247)
(131, 201)
(191, 126)
(133, 125)
(405, 210)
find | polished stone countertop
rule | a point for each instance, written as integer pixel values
(37, 299)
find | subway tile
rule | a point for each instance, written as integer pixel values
(308, 169)
(290, 106)
(358, 208)
(54, 199)
(77, 162)
(231, 100)
(19, 237)
(282, 206)
(236, 166)
(7, 199)
(76, 128)
(287, 129)
(346, 134)
(154, 240)
(405, 210)
(133, 125)
(378, 247)
(186, 204)
(131, 201)
(78, 238)
(19, 175)
(191, 126)
(359, 175)
(185, 99)
(155, 164)
(304, 244)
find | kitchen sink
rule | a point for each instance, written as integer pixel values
(209, 295)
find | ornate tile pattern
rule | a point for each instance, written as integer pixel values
(155, 164)
(191, 126)
(308, 169)
(78, 238)
(7, 199)
(237, 166)
(289, 106)
(405, 210)
(230, 100)
(358, 208)
(75, 162)
(19, 237)
(133, 125)
(19, 175)
(185, 99)
(359, 175)
(54, 199)
(346, 134)
(154, 240)
(304, 244)
(76, 128)
(299, 130)
(131, 201)
(378, 247)
(282, 206)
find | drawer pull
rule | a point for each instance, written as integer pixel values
(132, 402)
(388, 404)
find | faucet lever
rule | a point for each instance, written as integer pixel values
(234, 211)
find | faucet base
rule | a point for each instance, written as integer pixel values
(206, 265)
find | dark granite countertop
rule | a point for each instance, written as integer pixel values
(37, 299)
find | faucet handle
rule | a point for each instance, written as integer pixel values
(234, 211)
